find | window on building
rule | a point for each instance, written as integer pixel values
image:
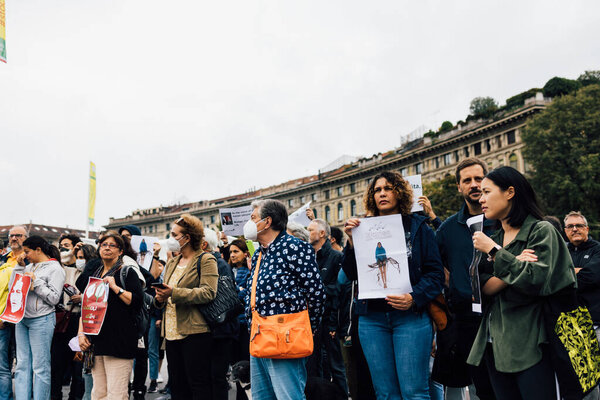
(327, 214)
(513, 161)
(150, 229)
(326, 192)
(447, 159)
(403, 172)
(340, 191)
(340, 212)
(368, 180)
(488, 145)
(290, 202)
(418, 168)
(313, 197)
(466, 150)
(353, 188)
(315, 212)
(436, 162)
(353, 208)
(168, 226)
(510, 137)
(498, 141)
(456, 156)
(302, 198)
(477, 149)
(212, 219)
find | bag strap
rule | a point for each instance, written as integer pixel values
(199, 263)
(122, 274)
(254, 279)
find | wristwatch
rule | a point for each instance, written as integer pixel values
(493, 252)
(121, 291)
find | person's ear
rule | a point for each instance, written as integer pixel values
(510, 193)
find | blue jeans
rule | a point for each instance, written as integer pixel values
(34, 338)
(153, 347)
(5, 374)
(88, 381)
(397, 346)
(278, 379)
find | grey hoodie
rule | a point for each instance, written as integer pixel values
(47, 287)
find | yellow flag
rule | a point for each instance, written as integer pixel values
(2, 31)
(92, 196)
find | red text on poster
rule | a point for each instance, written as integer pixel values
(93, 307)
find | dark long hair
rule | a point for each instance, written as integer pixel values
(89, 252)
(240, 244)
(35, 242)
(524, 202)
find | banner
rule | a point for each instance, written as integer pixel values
(475, 224)
(94, 305)
(417, 187)
(381, 257)
(234, 219)
(144, 248)
(92, 194)
(299, 216)
(17, 299)
(2, 31)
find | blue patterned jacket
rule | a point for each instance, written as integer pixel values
(288, 280)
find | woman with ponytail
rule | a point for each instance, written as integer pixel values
(41, 262)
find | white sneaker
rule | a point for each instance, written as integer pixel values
(159, 379)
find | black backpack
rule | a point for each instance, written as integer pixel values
(142, 317)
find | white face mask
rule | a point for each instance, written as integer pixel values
(173, 244)
(65, 256)
(251, 230)
(80, 264)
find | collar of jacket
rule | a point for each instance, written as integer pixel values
(265, 250)
(524, 231)
(463, 216)
(324, 250)
(583, 246)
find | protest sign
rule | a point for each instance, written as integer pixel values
(234, 219)
(381, 257)
(17, 299)
(144, 248)
(299, 216)
(94, 305)
(475, 224)
(2, 31)
(417, 186)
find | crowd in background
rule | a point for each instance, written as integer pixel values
(387, 348)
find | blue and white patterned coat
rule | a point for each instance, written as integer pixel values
(288, 280)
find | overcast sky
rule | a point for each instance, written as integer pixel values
(186, 100)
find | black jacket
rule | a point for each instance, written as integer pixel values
(330, 262)
(587, 257)
(229, 328)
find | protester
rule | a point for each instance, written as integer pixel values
(287, 282)
(337, 239)
(34, 332)
(223, 334)
(456, 249)
(530, 262)
(297, 231)
(188, 336)
(434, 220)
(585, 253)
(70, 305)
(115, 346)
(326, 337)
(16, 237)
(396, 333)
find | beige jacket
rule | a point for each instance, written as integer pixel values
(191, 290)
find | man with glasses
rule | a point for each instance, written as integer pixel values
(16, 237)
(585, 253)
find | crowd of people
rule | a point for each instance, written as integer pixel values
(301, 329)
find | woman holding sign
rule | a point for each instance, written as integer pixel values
(34, 332)
(396, 332)
(114, 347)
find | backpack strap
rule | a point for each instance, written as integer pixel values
(123, 274)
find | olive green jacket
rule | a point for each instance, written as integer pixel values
(191, 290)
(514, 318)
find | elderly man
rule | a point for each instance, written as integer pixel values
(585, 253)
(288, 281)
(329, 261)
(16, 237)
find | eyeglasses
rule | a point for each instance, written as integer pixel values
(109, 245)
(16, 235)
(578, 226)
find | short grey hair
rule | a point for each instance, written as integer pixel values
(323, 226)
(575, 214)
(211, 239)
(274, 209)
(297, 230)
(22, 227)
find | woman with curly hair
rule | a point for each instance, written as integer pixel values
(396, 332)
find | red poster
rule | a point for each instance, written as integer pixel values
(94, 305)
(17, 299)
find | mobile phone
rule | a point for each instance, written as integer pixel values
(159, 285)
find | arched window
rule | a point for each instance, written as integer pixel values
(327, 214)
(513, 161)
(315, 212)
(340, 213)
(353, 208)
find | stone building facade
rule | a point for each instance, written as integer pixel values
(337, 195)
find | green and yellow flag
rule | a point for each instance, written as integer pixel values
(92, 196)
(2, 31)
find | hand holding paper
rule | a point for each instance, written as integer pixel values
(482, 242)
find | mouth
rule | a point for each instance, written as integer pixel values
(381, 202)
(484, 209)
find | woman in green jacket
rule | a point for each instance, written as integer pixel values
(530, 261)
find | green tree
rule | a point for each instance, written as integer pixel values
(444, 196)
(589, 78)
(560, 86)
(562, 143)
(446, 126)
(483, 107)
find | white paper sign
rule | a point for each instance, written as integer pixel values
(299, 216)
(234, 219)
(475, 224)
(144, 248)
(381, 257)
(417, 187)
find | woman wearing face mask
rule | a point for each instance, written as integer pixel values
(188, 337)
(238, 259)
(530, 262)
(34, 333)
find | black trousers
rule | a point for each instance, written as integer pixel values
(62, 359)
(534, 383)
(189, 367)
(220, 358)
(140, 368)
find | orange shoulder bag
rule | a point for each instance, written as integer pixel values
(278, 336)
